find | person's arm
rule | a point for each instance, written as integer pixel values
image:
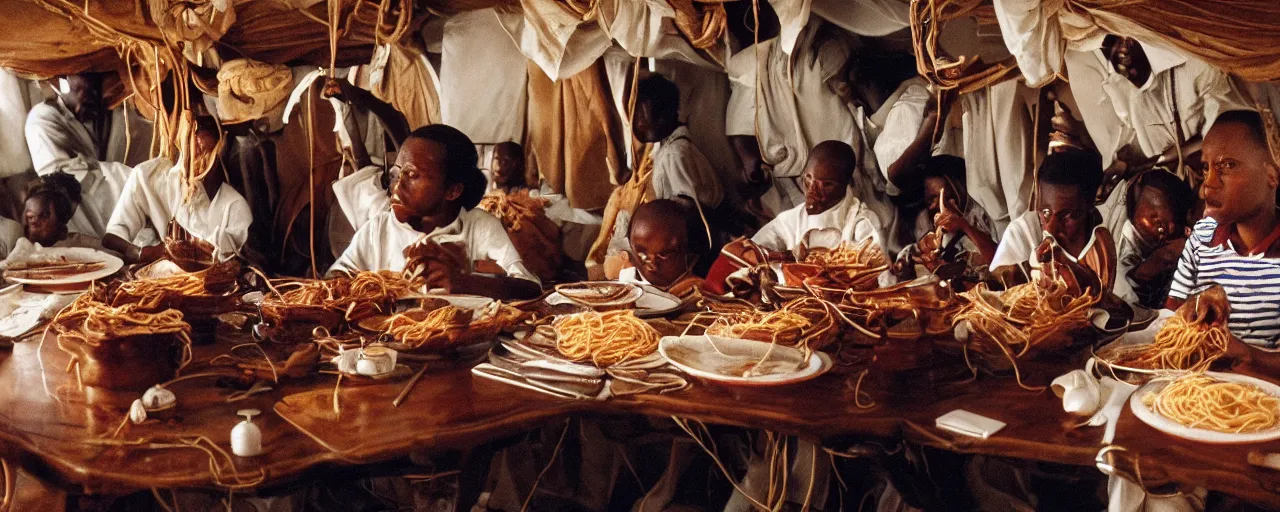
(354, 258)
(1184, 279)
(128, 219)
(903, 171)
(519, 283)
(1016, 246)
(392, 119)
(496, 287)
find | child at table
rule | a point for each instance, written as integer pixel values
(948, 208)
(1064, 226)
(1159, 209)
(1237, 244)
(50, 202)
(660, 251)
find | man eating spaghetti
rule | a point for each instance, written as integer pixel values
(434, 228)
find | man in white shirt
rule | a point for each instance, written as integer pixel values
(435, 188)
(158, 193)
(10, 232)
(1144, 104)
(829, 203)
(783, 104)
(70, 133)
(679, 168)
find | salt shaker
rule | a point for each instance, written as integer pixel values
(246, 438)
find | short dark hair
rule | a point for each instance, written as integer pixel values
(1075, 168)
(669, 211)
(1181, 198)
(56, 194)
(67, 183)
(656, 90)
(460, 161)
(945, 166)
(1251, 119)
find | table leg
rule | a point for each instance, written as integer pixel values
(473, 473)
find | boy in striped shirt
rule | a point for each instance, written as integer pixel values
(1237, 244)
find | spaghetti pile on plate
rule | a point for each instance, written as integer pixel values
(604, 339)
(1192, 339)
(1203, 402)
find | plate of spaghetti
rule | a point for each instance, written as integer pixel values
(1211, 407)
(1190, 339)
(329, 302)
(448, 327)
(60, 266)
(604, 338)
(742, 362)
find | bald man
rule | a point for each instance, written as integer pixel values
(829, 203)
(660, 249)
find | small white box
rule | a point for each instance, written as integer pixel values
(966, 423)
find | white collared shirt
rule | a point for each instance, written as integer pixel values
(157, 194)
(1118, 114)
(380, 243)
(10, 232)
(679, 168)
(855, 221)
(1024, 236)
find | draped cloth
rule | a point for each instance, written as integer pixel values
(1235, 35)
(406, 80)
(574, 142)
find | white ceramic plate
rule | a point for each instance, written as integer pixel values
(76, 254)
(1131, 341)
(634, 293)
(1168, 426)
(472, 302)
(725, 360)
(651, 302)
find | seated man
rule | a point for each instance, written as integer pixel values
(1065, 226)
(679, 168)
(1159, 209)
(660, 248)
(71, 132)
(507, 169)
(965, 227)
(829, 203)
(680, 171)
(435, 189)
(51, 201)
(1237, 244)
(210, 211)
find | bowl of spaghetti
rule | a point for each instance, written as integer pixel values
(1211, 407)
(206, 292)
(124, 347)
(1191, 339)
(447, 327)
(332, 302)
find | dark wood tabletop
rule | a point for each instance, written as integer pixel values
(55, 430)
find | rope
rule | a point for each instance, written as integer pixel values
(554, 453)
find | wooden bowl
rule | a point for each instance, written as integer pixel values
(132, 363)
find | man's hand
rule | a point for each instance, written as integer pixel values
(337, 88)
(949, 218)
(149, 254)
(1162, 260)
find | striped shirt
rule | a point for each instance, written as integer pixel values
(1252, 283)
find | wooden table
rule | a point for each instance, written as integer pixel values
(54, 434)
